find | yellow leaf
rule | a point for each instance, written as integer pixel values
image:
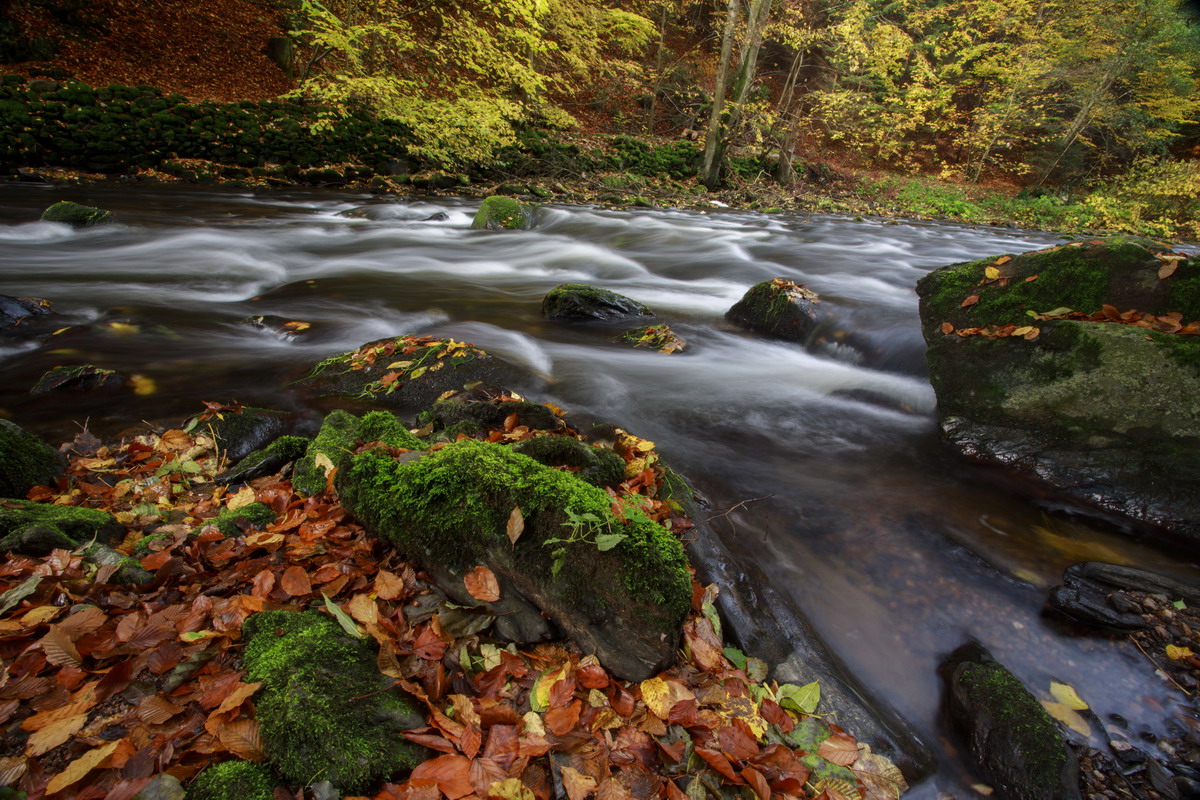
(54, 734)
(644, 446)
(510, 789)
(992, 273)
(1068, 717)
(40, 615)
(243, 498)
(539, 698)
(1067, 696)
(656, 694)
(1021, 331)
(399, 365)
(80, 767)
(122, 328)
(321, 460)
(1178, 653)
(142, 385)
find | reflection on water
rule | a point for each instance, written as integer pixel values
(895, 549)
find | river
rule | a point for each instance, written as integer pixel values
(896, 550)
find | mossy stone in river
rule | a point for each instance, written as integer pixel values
(25, 460)
(325, 712)
(492, 413)
(37, 528)
(233, 780)
(450, 510)
(598, 466)
(339, 434)
(78, 379)
(778, 308)
(77, 215)
(1010, 737)
(502, 212)
(579, 301)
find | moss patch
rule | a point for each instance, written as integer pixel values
(340, 433)
(231, 521)
(36, 528)
(76, 215)
(779, 308)
(25, 461)
(325, 711)
(233, 780)
(267, 460)
(579, 301)
(501, 212)
(598, 466)
(492, 414)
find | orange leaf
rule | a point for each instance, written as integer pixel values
(515, 526)
(947, 327)
(562, 719)
(840, 749)
(295, 581)
(388, 586)
(481, 584)
(720, 763)
(757, 782)
(452, 773)
(80, 767)
(241, 738)
(59, 648)
(239, 695)
(1033, 334)
(577, 784)
(54, 734)
(156, 710)
(970, 301)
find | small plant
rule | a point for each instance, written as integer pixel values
(587, 528)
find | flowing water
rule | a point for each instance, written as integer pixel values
(896, 550)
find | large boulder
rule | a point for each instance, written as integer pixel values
(779, 308)
(619, 587)
(339, 434)
(579, 301)
(25, 460)
(1074, 365)
(498, 212)
(408, 372)
(1009, 736)
(77, 215)
(324, 710)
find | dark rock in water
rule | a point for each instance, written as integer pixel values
(656, 337)
(502, 212)
(241, 431)
(619, 588)
(778, 308)
(1009, 736)
(25, 461)
(266, 461)
(37, 528)
(579, 301)
(77, 215)
(324, 699)
(1095, 593)
(85, 378)
(17, 312)
(440, 216)
(410, 372)
(1102, 411)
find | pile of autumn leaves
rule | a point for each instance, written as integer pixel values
(106, 686)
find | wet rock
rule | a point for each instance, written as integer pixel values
(1117, 577)
(1010, 737)
(618, 588)
(502, 212)
(410, 372)
(1102, 412)
(16, 313)
(440, 216)
(239, 432)
(25, 461)
(82, 379)
(77, 215)
(656, 337)
(778, 308)
(266, 461)
(282, 327)
(579, 301)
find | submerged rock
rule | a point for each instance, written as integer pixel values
(324, 708)
(1075, 396)
(778, 308)
(656, 337)
(1009, 736)
(77, 215)
(579, 301)
(25, 461)
(84, 378)
(619, 588)
(1095, 593)
(17, 312)
(502, 212)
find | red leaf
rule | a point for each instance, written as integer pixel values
(481, 584)
(452, 774)
(840, 749)
(429, 646)
(736, 743)
(970, 301)
(562, 719)
(295, 581)
(757, 782)
(719, 763)
(430, 740)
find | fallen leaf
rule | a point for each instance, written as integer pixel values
(510, 789)
(799, 698)
(388, 585)
(295, 581)
(241, 737)
(452, 774)
(515, 526)
(881, 779)
(80, 767)
(840, 749)
(1168, 269)
(51, 736)
(1068, 717)
(481, 584)
(243, 498)
(992, 273)
(239, 695)
(1175, 653)
(344, 619)
(1002, 260)
(1067, 696)
(577, 784)
(970, 301)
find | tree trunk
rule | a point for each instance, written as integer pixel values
(710, 172)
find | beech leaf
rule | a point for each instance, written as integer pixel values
(840, 749)
(970, 301)
(481, 584)
(1067, 696)
(80, 767)
(515, 526)
(1069, 717)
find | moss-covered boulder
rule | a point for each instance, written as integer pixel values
(1071, 365)
(16, 313)
(598, 466)
(37, 528)
(25, 460)
(409, 372)
(655, 337)
(579, 301)
(340, 433)
(779, 308)
(241, 431)
(234, 521)
(325, 712)
(1009, 736)
(77, 215)
(233, 780)
(265, 461)
(619, 588)
(487, 413)
(502, 212)
(81, 379)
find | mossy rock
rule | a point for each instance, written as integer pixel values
(340, 432)
(579, 301)
(598, 466)
(498, 212)
(233, 780)
(778, 308)
(37, 528)
(84, 378)
(493, 413)
(25, 461)
(77, 215)
(325, 712)
(232, 521)
(655, 337)
(1010, 737)
(240, 433)
(1105, 413)
(265, 461)
(409, 373)
(451, 508)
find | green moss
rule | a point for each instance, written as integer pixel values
(465, 427)
(579, 301)
(255, 515)
(84, 377)
(340, 433)
(777, 307)
(141, 548)
(266, 460)
(598, 466)
(25, 461)
(491, 414)
(501, 212)
(233, 780)
(325, 712)
(24, 523)
(1184, 292)
(76, 215)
